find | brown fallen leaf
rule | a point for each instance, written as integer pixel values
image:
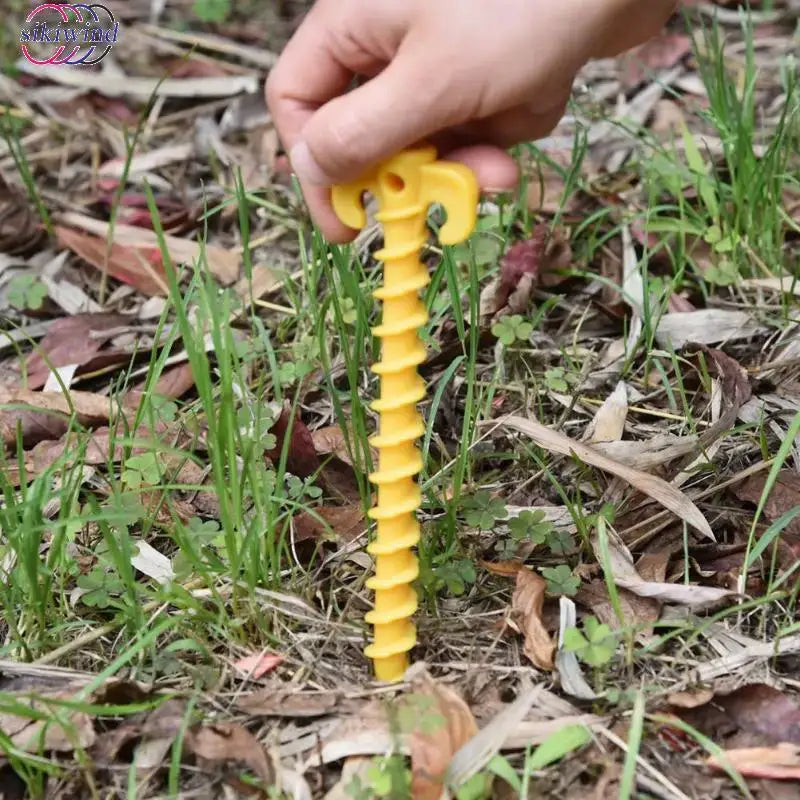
(690, 699)
(358, 769)
(258, 664)
(301, 456)
(138, 267)
(519, 272)
(758, 713)
(339, 475)
(347, 523)
(671, 498)
(785, 496)
(222, 264)
(45, 415)
(90, 447)
(331, 441)
(195, 68)
(526, 609)
(706, 326)
(44, 729)
(669, 119)
(626, 576)
(174, 382)
(163, 723)
(736, 389)
(432, 750)
(526, 264)
(272, 703)
(639, 613)
(70, 340)
(608, 424)
(781, 762)
(132, 208)
(256, 157)
(229, 742)
(20, 228)
(505, 569)
(661, 52)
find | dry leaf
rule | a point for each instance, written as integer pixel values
(364, 733)
(637, 612)
(357, 768)
(661, 52)
(625, 576)
(781, 762)
(227, 741)
(660, 449)
(70, 340)
(152, 563)
(569, 669)
(32, 735)
(654, 487)
(163, 723)
(692, 699)
(525, 265)
(347, 523)
(788, 284)
(431, 752)
(519, 271)
(271, 703)
(473, 756)
(505, 569)
(705, 326)
(45, 415)
(545, 192)
(608, 424)
(301, 456)
(174, 382)
(785, 496)
(138, 267)
(21, 231)
(258, 664)
(222, 264)
(331, 441)
(668, 121)
(758, 712)
(98, 448)
(111, 85)
(526, 608)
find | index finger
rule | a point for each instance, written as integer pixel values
(307, 75)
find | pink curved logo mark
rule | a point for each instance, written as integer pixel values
(89, 30)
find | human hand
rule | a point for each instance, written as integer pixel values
(472, 77)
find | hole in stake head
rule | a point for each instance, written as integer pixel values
(394, 182)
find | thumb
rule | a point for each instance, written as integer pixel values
(400, 106)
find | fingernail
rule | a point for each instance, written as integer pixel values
(306, 168)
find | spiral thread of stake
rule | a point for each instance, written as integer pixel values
(405, 186)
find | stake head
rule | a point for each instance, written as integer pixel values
(414, 178)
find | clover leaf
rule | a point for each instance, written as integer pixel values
(556, 379)
(594, 646)
(482, 510)
(560, 541)
(560, 580)
(531, 526)
(511, 329)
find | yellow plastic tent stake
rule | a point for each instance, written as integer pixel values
(404, 187)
